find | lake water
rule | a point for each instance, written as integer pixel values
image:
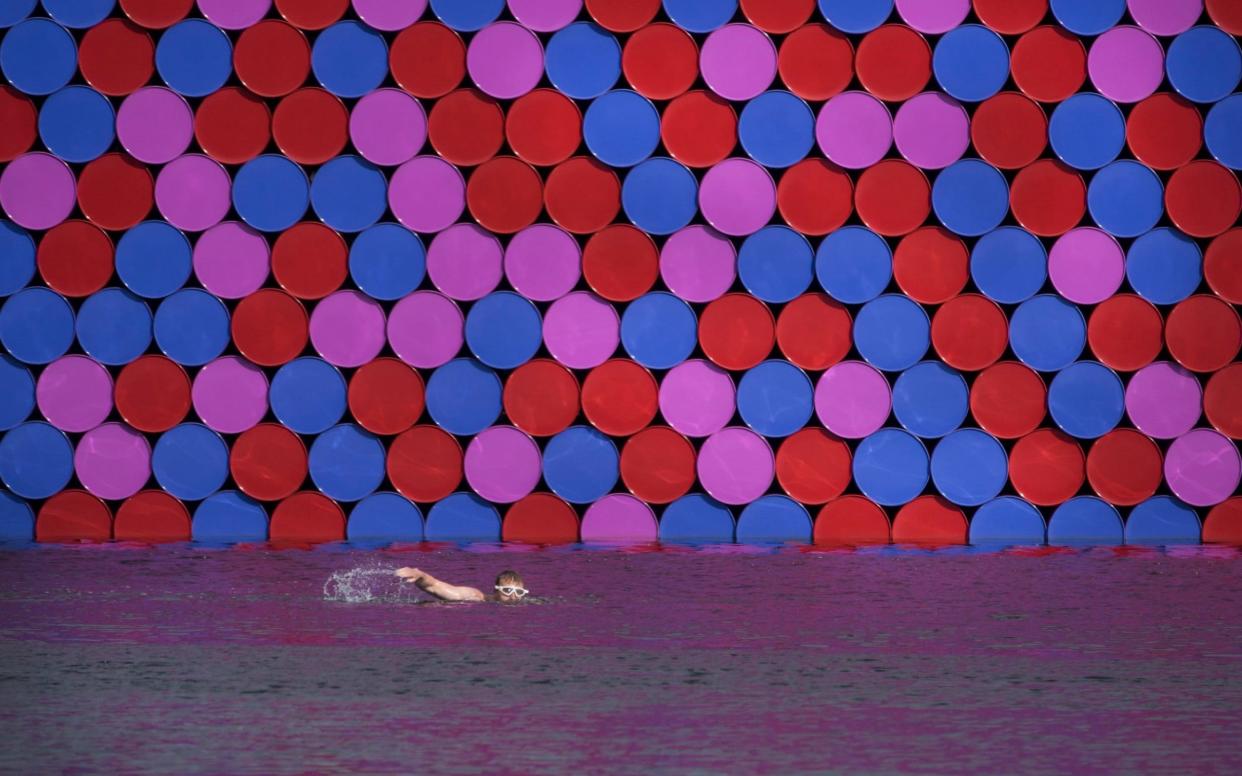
(185, 659)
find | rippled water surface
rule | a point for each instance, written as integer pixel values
(183, 659)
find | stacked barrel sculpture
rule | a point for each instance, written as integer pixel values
(842, 272)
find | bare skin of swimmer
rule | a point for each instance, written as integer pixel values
(508, 587)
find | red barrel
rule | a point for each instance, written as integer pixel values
(620, 263)
(813, 331)
(582, 196)
(1125, 332)
(386, 396)
(75, 258)
(152, 516)
(930, 520)
(813, 466)
(425, 464)
(309, 260)
(657, 465)
(1046, 467)
(466, 127)
(737, 331)
(1124, 467)
(815, 196)
(268, 462)
(540, 518)
(270, 327)
(73, 515)
(893, 198)
(153, 394)
(699, 129)
(970, 332)
(307, 518)
(1008, 400)
(619, 397)
(931, 265)
(851, 520)
(544, 127)
(541, 397)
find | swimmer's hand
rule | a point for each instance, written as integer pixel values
(434, 587)
(409, 574)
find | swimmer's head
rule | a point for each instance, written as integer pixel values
(509, 587)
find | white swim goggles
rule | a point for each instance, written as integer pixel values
(518, 592)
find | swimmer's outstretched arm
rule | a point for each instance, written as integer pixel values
(442, 590)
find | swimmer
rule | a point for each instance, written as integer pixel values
(508, 587)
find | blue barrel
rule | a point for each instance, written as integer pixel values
(1086, 400)
(773, 519)
(36, 460)
(36, 325)
(153, 259)
(114, 326)
(17, 258)
(191, 327)
(1125, 198)
(1009, 265)
(349, 193)
(891, 467)
(387, 261)
(969, 467)
(14, 11)
(463, 517)
(504, 330)
(463, 397)
(1047, 333)
(856, 16)
(77, 124)
(970, 197)
(308, 395)
(660, 195)
(1088, 17)
(892, 332)
(930, 399)
(79, 14)
(659, 330)
(17, 393)
(194, 57)
(270, 193)
(1222, 131)
(16, 519)
(1163, 520)
(38, 56)
(971, 62)
(385, 517)
(775, 398)
(1085, 520)
(776, 129)
(621, 128)
(696, 518)
(1087, 131)
(1204, 64)
(467, 16)
(854, 265)
(583, 60)
(349, 59)
(229, 516)
(580, 464)
(190, 461)
(776, 264)
(347, 462)
(1007, 520)
(1164, 266)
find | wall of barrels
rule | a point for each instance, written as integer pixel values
(846, 271)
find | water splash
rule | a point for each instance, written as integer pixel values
(368, 583)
